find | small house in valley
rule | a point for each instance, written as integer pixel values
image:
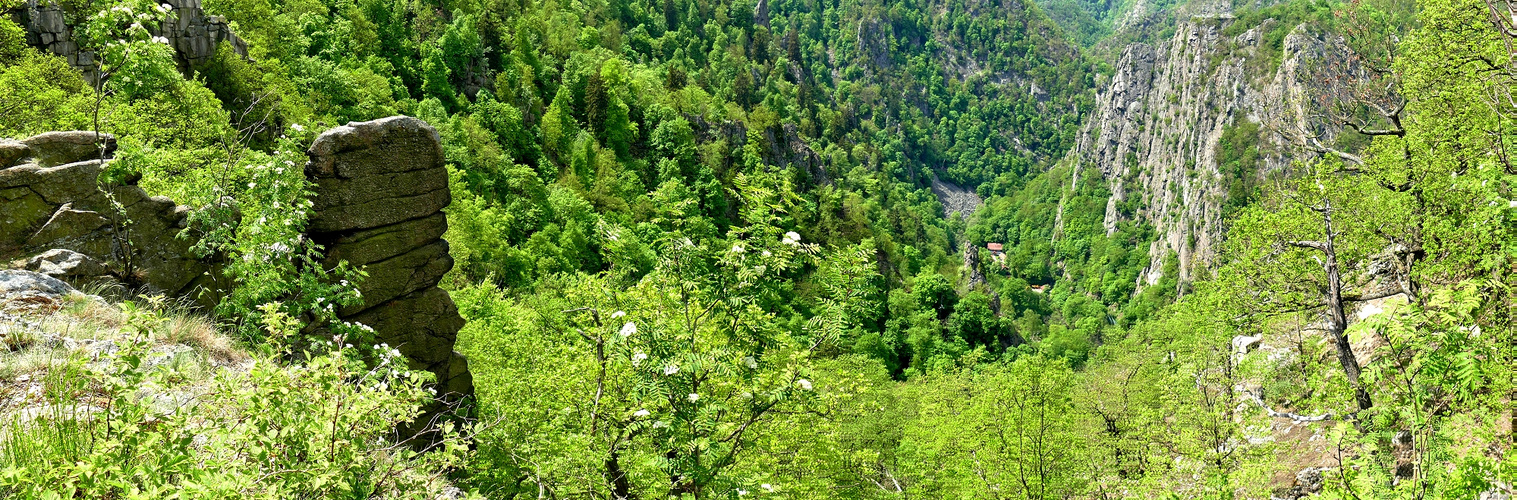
(997, 253)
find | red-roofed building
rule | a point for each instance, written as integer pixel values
(995, 247)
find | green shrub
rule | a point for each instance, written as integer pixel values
(324, 427)
(42, 93)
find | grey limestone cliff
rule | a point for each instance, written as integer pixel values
(1154, 134)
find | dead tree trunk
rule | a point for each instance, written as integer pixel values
(1337, 321)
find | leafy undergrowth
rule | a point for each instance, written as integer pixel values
(141, 400)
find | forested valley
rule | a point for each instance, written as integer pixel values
(853, 249)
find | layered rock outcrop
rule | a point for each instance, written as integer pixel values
(1153, 136)
(52, 207)
(380, 190)
(194, 35)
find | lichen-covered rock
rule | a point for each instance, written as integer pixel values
(380, 189)
(415, 270)
(21, 212)
(374, 245)
(77, 230)
(422, 325)
(194, 35)
(67, 265)
(63, 207)
(1308, 481)
(69, 183)
(372, 174)
(12, 152)
(59, 148)
(18, 283)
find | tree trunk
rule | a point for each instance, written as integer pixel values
(1337, 322)
(621, 488)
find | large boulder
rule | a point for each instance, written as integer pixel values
(19, 283)
(60, 148)
(58, 184)
(76, 230)
(423, 327)
(54, 202)
(67, 265)
(381, 243)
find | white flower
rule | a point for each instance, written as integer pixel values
(750, 362)
(628, 329)
(693, 397)
(296, 127)
(1511, 204)
(618, 314)
(804, 384)
(767, 487)
(642, 413)
(162, 40)
(638, 358)
(792, 238)
(766, 253)
(167, 7)
(660, 424)
(671, 369)
(737, 249)
(742, 492)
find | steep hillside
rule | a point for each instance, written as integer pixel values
(702, 249)
(976, 89)
(1187, 129)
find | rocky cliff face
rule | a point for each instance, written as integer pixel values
(1154, 134)
(193, 34)
(380, 190)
